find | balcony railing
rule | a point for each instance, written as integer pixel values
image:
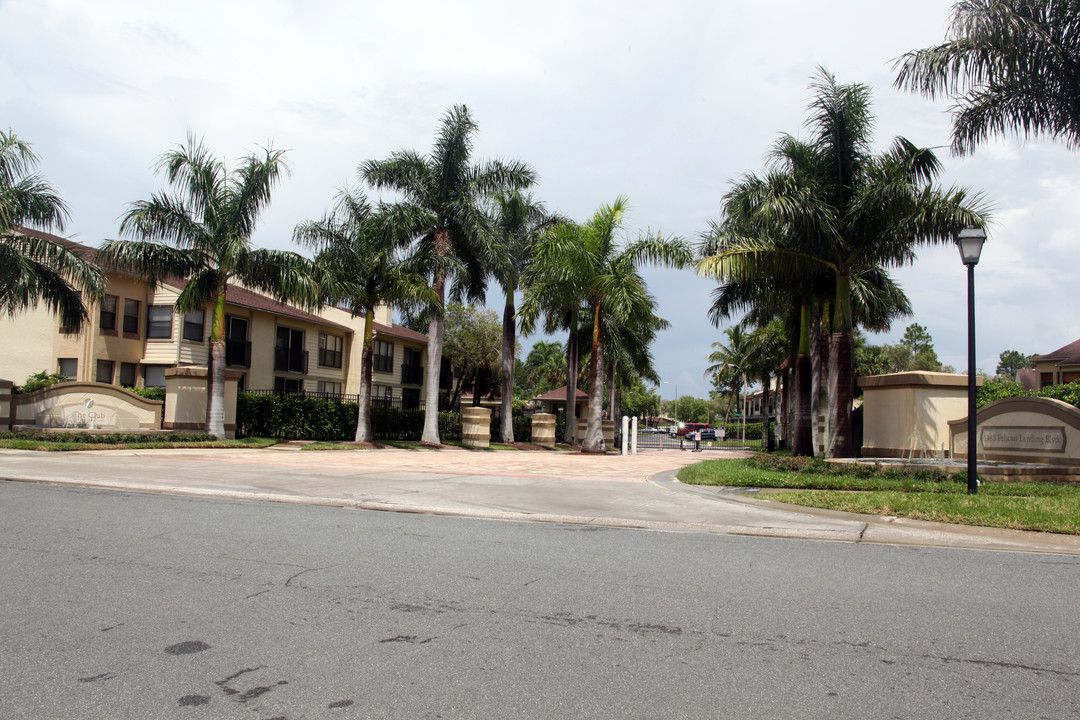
(412, 375)
(238, 353)
(290, 359)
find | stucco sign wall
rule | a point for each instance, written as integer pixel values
(91, 406)
(1033, 430)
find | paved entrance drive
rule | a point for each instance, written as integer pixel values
(613, 490)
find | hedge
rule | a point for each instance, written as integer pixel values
(293, 416)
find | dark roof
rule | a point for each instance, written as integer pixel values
(236, 295)
(560, 394)
(84, 251)
(1068, 355)
(399, 331)
(1029, 379)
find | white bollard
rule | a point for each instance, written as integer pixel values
(633, 435)
(625, 429)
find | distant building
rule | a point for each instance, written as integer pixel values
(555, 402)
(1058, 367)
(134, 334)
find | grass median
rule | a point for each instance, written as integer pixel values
(922, 494)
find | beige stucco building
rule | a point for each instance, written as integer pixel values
(134, 334)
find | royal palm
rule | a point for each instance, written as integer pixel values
(33, 268)
(201, 233)
(450, 192)
(361, 252)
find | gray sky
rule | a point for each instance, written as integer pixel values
(662, 102)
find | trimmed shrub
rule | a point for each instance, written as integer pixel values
(107, 438)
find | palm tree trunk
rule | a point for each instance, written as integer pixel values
(367, 356)
(593, 442)
(434, 367)
(508, 345)
(571, 380)
(766, 424)
(841, 371)
(215, 391)
(801, 441)
(611, 390)
(817, 374)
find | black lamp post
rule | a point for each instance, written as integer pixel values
(970, 242)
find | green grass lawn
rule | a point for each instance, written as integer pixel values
(924, 495)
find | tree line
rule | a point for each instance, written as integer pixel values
(802, 249)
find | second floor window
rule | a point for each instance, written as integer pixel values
(131, 317)
(193, 325)
(384, 356)
(158, 322)
(330, 350)
(107, 318)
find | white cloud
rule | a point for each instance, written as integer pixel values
(665, 103)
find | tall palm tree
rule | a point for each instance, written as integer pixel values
(731, 363)
(1010, 65)
(768, 347)
(450, 191)
(201, 232)
(556, 294)
(34, 268)
(518, 223)
(361, 250)
(859, 214)
(606, 274)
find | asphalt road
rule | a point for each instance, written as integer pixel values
(119, 605)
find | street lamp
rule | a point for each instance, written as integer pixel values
(970, 242)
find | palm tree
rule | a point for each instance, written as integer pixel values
(34, 268)
(361, 251)
(201, 232)
(731, 363)
(449, 191)
(856, 214)
(1010, 65)
(545, 367)
(768, 345)
(555, 293)
(519, 222)
(606, 277)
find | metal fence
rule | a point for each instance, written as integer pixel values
(665, 441)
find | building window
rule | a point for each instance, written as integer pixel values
(131, 318)
(412, 373)
(69, 367)
(154, 375)
(193, 325)
(329, 388)
(105, 371)
(382, 396)
(1070, 377)
(289, 353)
(384, 356)
(1046, 379)
(159, 322)
(107, 317)
(127, 374)
(410, 398)
(288, 385)
(330, 350)
(237, 346)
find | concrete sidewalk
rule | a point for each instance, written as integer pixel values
(638, 491)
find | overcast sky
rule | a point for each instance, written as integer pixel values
(663, 102)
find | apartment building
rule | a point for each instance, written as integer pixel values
(134, 334)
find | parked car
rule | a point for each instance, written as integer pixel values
(706, 430)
